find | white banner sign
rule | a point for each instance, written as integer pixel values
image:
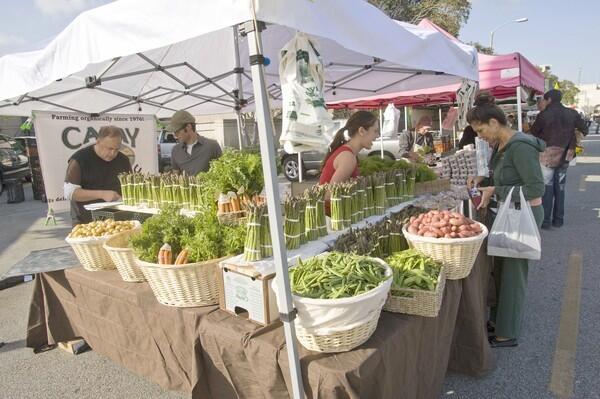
(61, 134)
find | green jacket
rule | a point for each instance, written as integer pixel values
(518, 165)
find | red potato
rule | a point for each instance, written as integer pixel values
(412, 230)
(445, 229)
(439, 224)
(421, 232)
(465, 234)
(455, 222)
(412, 219)
(475, 227)
(435, 219)
(447, 235)
(430, 234)
(453, 234)
(437, 232)
(464, 227)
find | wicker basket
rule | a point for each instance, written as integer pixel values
(232, 218)
(420, 302)
(193, 284)
(91, 252)
(122, 256)
(456, 254)
(341, 341)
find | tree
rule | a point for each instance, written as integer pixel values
(568, 88)
(448, 14)
(483, 49)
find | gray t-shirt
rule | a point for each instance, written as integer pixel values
(198, 161)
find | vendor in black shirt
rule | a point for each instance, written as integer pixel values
(92, 174)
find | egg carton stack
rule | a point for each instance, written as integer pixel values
(445, 171)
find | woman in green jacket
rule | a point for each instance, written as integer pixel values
(515, 163)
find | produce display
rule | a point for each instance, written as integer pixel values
(292, 228)
(380, 239)
(156, 191)
(202, 237)
(101, 228)
(443, 224)
(371, 165)
(235, 171)
(445, 200)
(413, 270)
(379, 193)
(336, 275)
(252, 247)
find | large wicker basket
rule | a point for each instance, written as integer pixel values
(190, 285)
(456, 254)
(341, 341)
(91, 252)
(341, 338)
(122, 256)
(420, 302)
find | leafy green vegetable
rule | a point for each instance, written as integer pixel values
(371, 165)
(237, 171)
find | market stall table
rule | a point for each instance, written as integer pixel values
(212, 354)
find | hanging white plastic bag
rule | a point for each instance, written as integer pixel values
(391, 118)
(306, 123)
(514, 233)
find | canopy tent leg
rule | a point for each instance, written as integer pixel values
(239, 95)
(267, 150)
(519, 110)
(300, 174)
(440, 117)
(406, 118)
(381, 130)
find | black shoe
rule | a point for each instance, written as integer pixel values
(1, 344)
(557, 225)
(509, 343)
(491, 327)
(546, 226)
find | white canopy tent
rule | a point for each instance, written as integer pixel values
(165, 55)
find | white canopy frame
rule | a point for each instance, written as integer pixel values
(255, 86)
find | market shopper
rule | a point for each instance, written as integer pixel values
(468, 137)
(92, 173)
(556, 125)
(193, 152)
(514, 164)
(420, 140)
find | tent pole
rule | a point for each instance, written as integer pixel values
(300, 177)
(240, 92)
(519, 110)
(267, 149)
(405, 117)
(440, 116)
(381, 130)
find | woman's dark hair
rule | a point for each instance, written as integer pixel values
(485, 109)
(357, 120)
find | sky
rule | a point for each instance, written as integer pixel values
(560, 33)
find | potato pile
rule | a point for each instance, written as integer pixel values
(101, 228)
(443, 224)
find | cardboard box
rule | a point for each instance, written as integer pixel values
(246, 293)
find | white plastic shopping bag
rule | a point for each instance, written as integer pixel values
(391, 118)
(515, 233)
(306, 123)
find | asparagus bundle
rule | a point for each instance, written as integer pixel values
(370, 206)
(320, 191)
(397, 242)
(337, 209)
(347, 189)
(311, 227)
(252, 247)
(355, 209)
(266, 247)
(302, 218)
(390, 188)
(379, 197)
(292, 227)
(410, 182)
(124, 193)
(361, 194)
(401, 185)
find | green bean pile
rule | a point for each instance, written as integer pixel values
(413, 270)
(336, 275)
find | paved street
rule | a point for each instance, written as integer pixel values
(558, 355)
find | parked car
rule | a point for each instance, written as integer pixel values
(166, 142)
(14, 164)
(311, 160)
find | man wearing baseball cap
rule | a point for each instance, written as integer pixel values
(193, 153)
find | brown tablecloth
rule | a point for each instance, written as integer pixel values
(212, 354)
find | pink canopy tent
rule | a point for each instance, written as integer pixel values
(502, 75)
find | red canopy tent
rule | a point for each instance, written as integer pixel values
(502, 75)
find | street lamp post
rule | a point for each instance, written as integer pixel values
(503, 25)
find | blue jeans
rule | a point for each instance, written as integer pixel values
(554, 195)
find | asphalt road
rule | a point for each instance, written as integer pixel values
(522, 372)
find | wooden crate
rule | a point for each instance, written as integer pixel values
(245, 292)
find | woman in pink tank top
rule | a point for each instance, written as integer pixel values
(341, 162)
